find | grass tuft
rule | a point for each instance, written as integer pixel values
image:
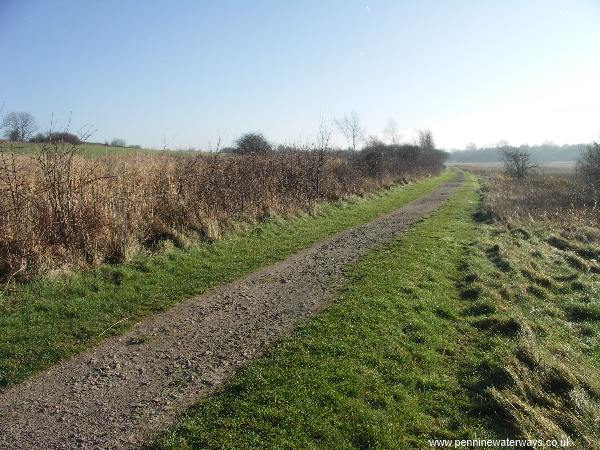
(581, 312)
(505, 326)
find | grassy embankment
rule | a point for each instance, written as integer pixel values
(55, 317)
(458, 329)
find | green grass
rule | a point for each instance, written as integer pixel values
(55, 317)
(88, 150)
(392, 363)
(542, 292)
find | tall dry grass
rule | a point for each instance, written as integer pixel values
(59, 208)
(558, 201)
(542, 268)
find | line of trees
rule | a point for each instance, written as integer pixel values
(543, 153)
(59, 136)
(375, 158)
(22, 127)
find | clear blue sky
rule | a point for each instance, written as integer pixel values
(481, 71)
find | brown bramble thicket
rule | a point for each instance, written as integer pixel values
(61, 209)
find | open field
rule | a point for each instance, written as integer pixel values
(86, 150)
(541, 243)
(548, 168)
(552, 202)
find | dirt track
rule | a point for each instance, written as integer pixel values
(127, 389)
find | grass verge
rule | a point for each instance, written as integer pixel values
(391, 364)
(55, 317)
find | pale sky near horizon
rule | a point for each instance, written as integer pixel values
(190, 71)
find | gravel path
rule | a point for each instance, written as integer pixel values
(124, 391)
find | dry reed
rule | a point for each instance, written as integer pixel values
(556, 201)
(59, 208)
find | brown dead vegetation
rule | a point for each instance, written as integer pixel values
(59, 208)
(563, 201)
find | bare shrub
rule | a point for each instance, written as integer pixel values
(321, 150)
(517, 162)
(426, 141)
(57, 137)
(588, 165)
(351, 128)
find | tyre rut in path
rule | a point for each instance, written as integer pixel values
(125, 390)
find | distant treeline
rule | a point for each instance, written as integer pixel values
(544, 153)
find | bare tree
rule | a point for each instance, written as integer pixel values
(116, 142)
(588, 165)
(323, 137)
(18, 126)
(390, 131)
(167, 141)
(426, 141)
(351, 128)
(323, 134)
(517, 162)
(217, 148)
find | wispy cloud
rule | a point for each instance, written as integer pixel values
(368, 8)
